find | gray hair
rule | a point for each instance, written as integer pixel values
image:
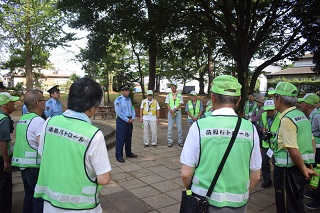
(226, 99)
(289, 100)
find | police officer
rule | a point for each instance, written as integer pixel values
(194, 108)
(270, 125)
(25, 153)
(53, 106)
(125, 117)
(6, 127)
(293, 151)
(206, 144)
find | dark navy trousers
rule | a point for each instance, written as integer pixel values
(123, 137)
(31, 204)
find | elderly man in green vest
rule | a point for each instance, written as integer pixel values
(270, 125)
(293, 150)
(25, 153)
(194, 108)
(6, 127)
(308, 107)
(250, 106)
(174, 101)
(206, 144)
(74, 155)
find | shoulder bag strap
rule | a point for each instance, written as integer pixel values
(225, 156)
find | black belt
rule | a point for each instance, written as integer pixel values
(129, 116)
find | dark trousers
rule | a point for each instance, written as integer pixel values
(5, 189)
(31, 204)
(123, 137)
(289, 189)
(266, 174)
(317, 161)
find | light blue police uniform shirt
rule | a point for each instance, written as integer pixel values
(124, 109)
(53, 107)
(24, 109)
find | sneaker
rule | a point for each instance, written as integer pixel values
(310, 194)
(313, 205)
(181, 144)
(169, 144)
(154, 146)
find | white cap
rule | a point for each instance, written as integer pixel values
(269, 105)
(174, 83)
(149, 92)
(193, 93)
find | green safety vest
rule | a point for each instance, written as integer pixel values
(258, 122)
(63, 180)
(273, 129)
(174, 103)
(24, 155)
(207, 114)
(304, 138)
(247, 111)
(3, 116)
(316, 138)
(193, 111)
(209, 106)
(232, 187)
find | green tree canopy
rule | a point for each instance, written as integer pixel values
(30, 29)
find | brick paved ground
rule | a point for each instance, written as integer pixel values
(150, 183)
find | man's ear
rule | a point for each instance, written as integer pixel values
(237, 104)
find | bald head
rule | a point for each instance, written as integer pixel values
(31, 98)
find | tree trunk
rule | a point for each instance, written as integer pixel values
(29, 76)
(242, 71)
(158, 83)
(210, 69)
(152, 66)
(28, 52)
(108, 88)
(152, 46)
(201, 83)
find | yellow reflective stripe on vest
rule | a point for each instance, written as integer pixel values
(66, 133)
(289, 160)
(26, 161)
(221, 197)
(65, 198)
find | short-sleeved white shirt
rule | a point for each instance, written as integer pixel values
(191, 149)
(34, 130)
(149, 117)
(96, 161)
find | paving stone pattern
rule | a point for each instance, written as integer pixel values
(150, 183)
